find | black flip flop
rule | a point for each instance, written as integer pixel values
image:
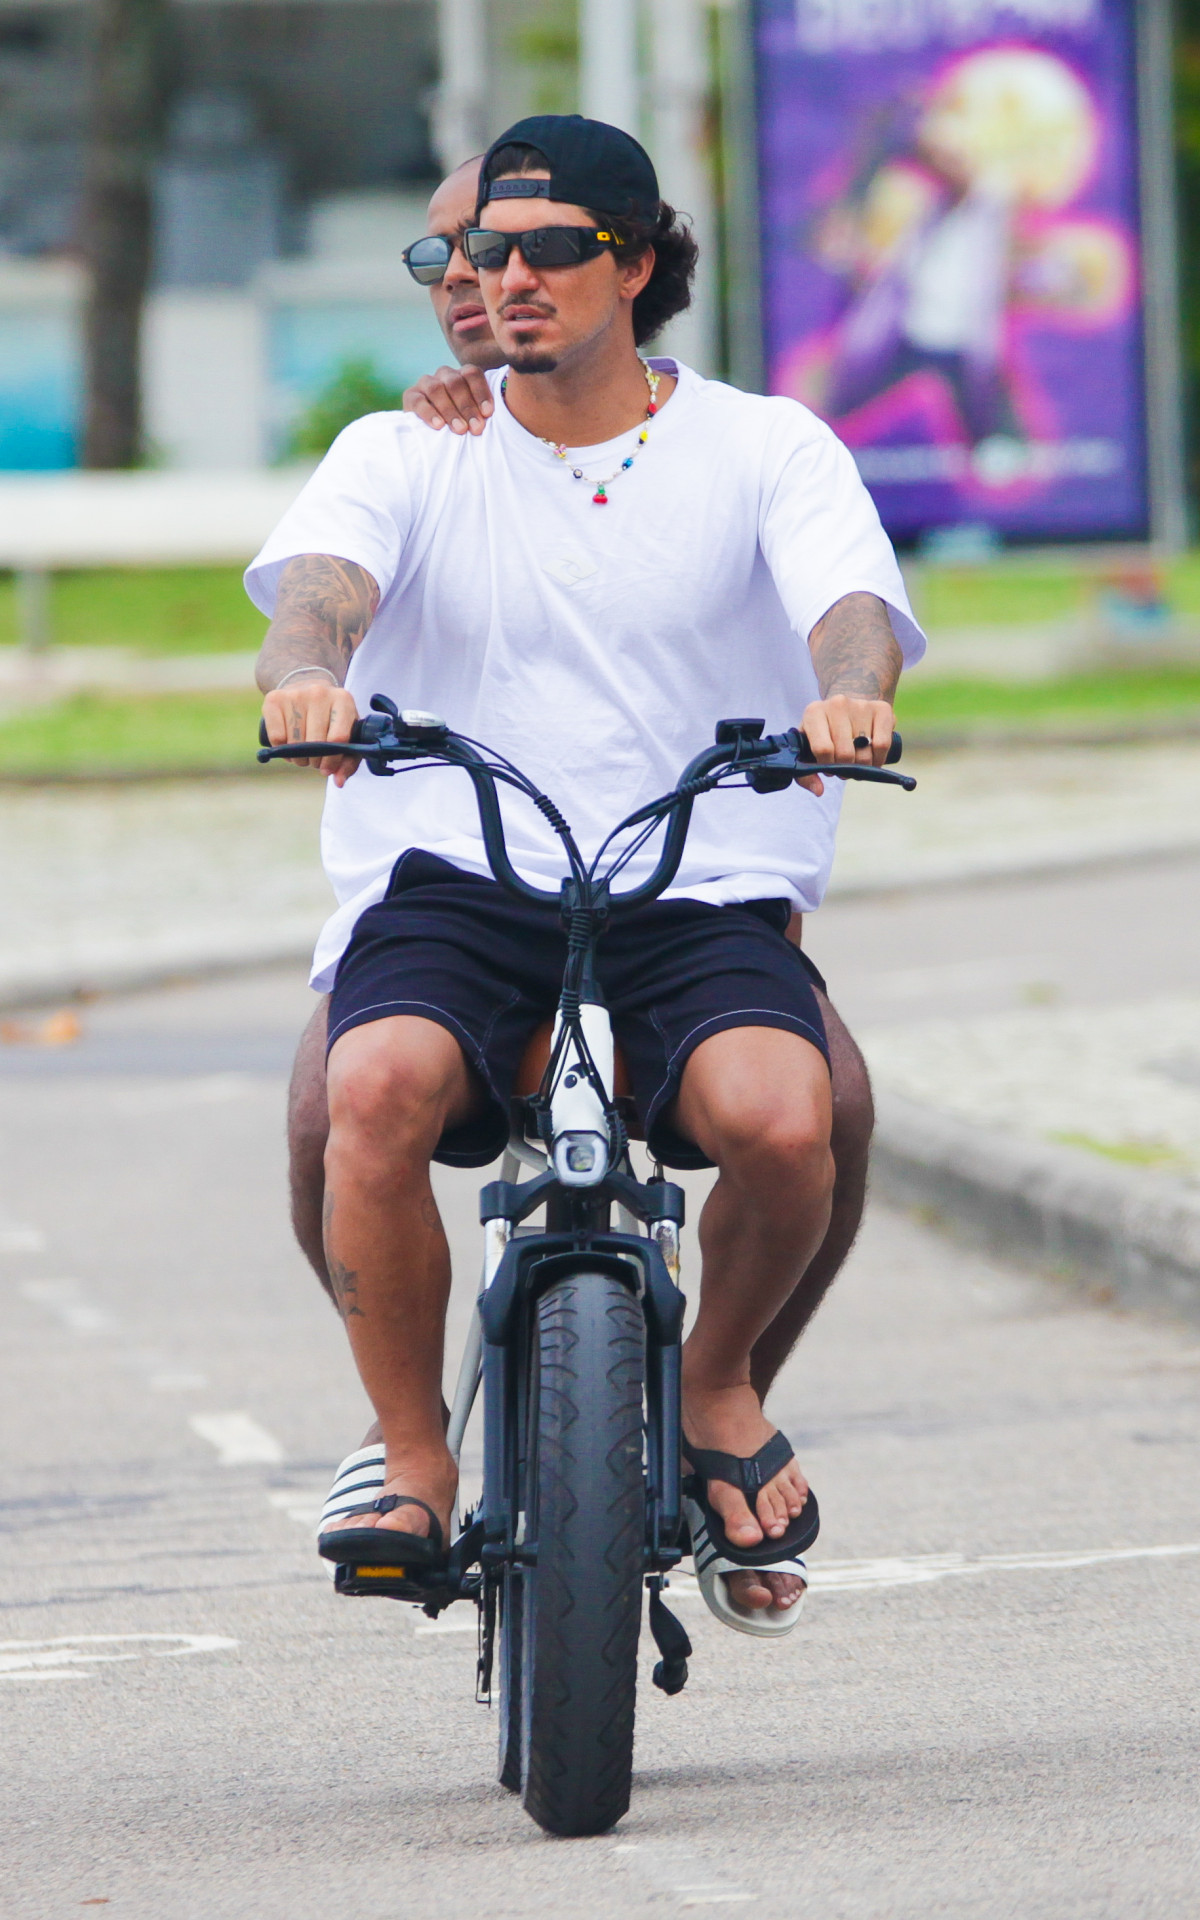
(749, 1477)
(385, 1546)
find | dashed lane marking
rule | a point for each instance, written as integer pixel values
(304, 1507)
(211, 1090)
(71, 1655)
(852, 1576)
(238, 1439)
(65, 1300)
(863, 1576)
(19, 1239)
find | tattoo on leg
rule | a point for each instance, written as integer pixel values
(345, 1290)
(429, 1213)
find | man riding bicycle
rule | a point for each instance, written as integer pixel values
(626, 553)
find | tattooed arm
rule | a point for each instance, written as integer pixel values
(858, 663)
(322, 611)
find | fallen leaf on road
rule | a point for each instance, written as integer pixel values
(61, 1029)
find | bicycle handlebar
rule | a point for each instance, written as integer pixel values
(770, 762)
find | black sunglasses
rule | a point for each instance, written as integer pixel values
(540, 247)
(428, 259)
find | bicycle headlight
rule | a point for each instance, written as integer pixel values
(580, 1159)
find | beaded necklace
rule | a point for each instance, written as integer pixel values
(600, 497)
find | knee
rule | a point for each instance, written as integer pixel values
(777, 1150)
(385, 1107)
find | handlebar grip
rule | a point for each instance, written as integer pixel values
(356, 733)
(893, 753)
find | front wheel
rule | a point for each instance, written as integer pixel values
(583, 1596)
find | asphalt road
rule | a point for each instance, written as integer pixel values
(989, 1709)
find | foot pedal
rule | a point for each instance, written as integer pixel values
(393, 1582)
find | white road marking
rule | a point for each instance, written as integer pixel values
(64, 1299)
(668, 1869)
(305, 1508)
(207, 1090)
(178, 1382)
(848, 1576)
(62, 1658)
(16, 1239)
(239, 1440)
(859, 1576)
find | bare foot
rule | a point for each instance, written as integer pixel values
(731, 1420)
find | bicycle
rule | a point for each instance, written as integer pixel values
(577, 1329)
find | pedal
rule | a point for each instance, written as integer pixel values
(395, 1583)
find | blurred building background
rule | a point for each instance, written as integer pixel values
(300, 141)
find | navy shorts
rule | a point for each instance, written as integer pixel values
(455, 948)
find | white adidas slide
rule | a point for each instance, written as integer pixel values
(765, 1623)
(357, 1481)
(714, 1553)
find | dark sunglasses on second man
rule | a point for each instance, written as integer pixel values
(488, 250)
(428, 259)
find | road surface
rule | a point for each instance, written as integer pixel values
(989, 1709)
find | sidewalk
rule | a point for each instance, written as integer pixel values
(1071, 1140)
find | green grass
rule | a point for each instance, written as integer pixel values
(1025, 594)
(205, 610)
(1130, 1153)
(103, 733)
(153, 610)
(1077, 701)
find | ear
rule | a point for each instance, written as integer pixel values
(633, 275)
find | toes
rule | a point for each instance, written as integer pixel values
(786, 1589)
(748, 1590)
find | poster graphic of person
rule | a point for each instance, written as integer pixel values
(960, 250)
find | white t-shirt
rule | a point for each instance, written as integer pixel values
(596, 647)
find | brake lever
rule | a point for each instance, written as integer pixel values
(789, 757)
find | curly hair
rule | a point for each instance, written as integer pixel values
(669, 288)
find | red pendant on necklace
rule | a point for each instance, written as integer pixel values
(599, 498)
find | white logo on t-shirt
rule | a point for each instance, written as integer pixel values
(569, 565)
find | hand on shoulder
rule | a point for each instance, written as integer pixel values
(454, 397)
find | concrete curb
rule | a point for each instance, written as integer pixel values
(136, 972)
(1134, 1232)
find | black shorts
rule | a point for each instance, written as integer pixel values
(455, 948)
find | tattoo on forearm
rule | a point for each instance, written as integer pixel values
(322, 611)
(854, 650)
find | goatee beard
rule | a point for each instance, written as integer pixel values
(532, 361)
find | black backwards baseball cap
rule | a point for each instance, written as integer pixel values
(591, 165)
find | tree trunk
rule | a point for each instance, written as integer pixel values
(127, 98)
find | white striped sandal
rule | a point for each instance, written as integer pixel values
(714, 1553)
(357, 1487)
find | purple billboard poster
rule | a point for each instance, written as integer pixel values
(951, 254)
